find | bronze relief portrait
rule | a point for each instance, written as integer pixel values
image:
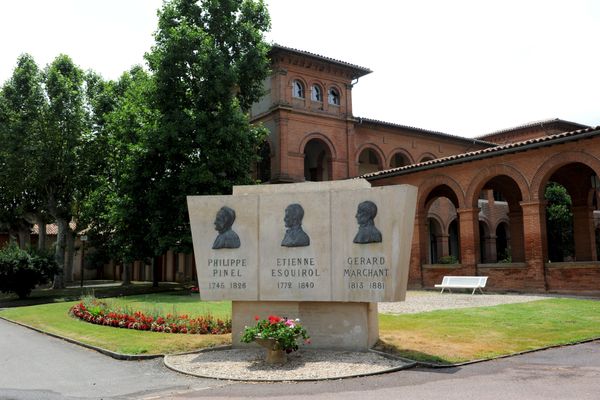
(367, 231)
(294, 234)
(227, 238)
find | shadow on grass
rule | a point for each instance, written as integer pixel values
(410, 354)
(99, 289)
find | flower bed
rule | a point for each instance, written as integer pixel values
(101, 313)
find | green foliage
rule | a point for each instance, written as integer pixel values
(48, 151)
(209, 63)
(505, 257)
(115, 209)
(448, 260)
(22, 120)
(21, 271)
(121, 157)
(559, 222)
(284, 331)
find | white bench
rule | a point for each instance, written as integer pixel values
(463, 282)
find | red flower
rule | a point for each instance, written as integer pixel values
(273, 319)
(256, 317)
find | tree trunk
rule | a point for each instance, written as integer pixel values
(155, 277)
(24, 235)
(39, 219)
(126, 277)
(70, 239)
(59, 255)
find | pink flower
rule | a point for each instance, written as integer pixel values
(289, 323)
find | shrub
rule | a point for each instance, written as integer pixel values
(448, 260)
(22, 271)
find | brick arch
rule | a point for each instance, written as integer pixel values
(402, 151)
(303, 82)
(502, 220)
(485, 220)
(320, 84)
(374, 147)
(491, 172)
(336, 87)
(322, 138)
(427, 154)
(443, 227)
(429, 184)
(317, 82)
(545, 171)
(298, 78)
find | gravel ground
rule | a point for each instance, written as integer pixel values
(422, 301)
(248, 364)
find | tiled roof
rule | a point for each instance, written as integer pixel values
(534, 124)
(51, 229)
(425, 131)
(486, 153)
(361, 70)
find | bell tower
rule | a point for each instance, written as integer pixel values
(307, 108)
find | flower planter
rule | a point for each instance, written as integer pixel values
(275, 355)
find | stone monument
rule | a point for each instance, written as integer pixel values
(323, 252)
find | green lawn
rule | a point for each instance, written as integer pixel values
(54, 318)
(458, 335)
(43, 295)
(446, 336)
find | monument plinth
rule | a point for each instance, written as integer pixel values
(322, 252)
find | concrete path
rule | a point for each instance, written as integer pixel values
(36, 366)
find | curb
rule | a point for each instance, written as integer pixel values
(117, 356)
(410, 363)
(480, 360)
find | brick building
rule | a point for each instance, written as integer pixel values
(481, 208)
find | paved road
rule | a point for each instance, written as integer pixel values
(34, 366)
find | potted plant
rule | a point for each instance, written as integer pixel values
(278, 335)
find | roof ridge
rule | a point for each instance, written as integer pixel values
(488, 150)
(474, 140)
(532, 124)
(311, 54)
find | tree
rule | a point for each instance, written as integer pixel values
(23, 109)
(209, 64)
(116, 210)
(61, 149)
(559, 222)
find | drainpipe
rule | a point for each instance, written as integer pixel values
(349, 154)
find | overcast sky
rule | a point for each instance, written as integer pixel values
(460, 67)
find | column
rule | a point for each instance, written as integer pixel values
(584, 234)
(468, 219)
(516, 236)
(170, 276)
(281, 170)
(491, 255)
(180, 276)
(443, 242)
(534, 234)
(418, 253)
